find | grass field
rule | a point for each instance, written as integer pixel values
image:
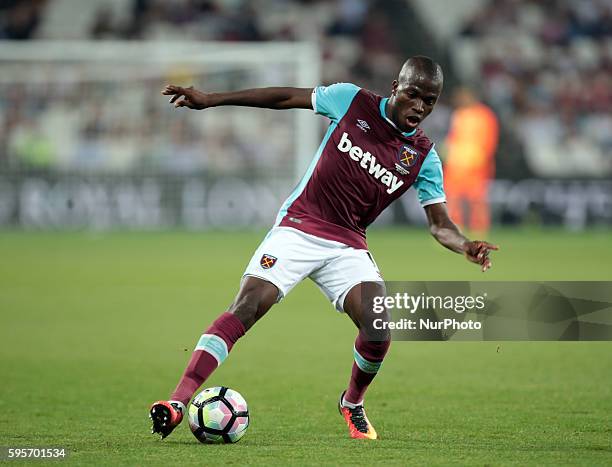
(94, 327)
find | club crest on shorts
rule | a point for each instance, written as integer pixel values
(267, 261)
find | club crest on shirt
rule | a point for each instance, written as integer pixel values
(267, 261)
(407, 158)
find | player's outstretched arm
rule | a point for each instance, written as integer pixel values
(447, 234)
(268, 98)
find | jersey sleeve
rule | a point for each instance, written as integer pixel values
(333, 101)
(429, 184)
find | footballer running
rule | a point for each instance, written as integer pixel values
(372, 152)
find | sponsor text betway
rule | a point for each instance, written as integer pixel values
(367, 161)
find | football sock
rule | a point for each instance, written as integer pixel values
(350, 405)
(210, 351)
(369, 356)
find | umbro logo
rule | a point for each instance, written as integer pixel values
(363, 125)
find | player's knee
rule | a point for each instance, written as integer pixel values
(252, 302)
(375, 326)
(254, 299)
(245, 309)
(382, 346)
(380, 338)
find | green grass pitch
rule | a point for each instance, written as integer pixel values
(94, 327)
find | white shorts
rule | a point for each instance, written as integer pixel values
(287, 256)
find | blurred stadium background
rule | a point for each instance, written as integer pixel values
(92, 158)
(86, 140)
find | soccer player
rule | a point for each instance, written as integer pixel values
(372, 153)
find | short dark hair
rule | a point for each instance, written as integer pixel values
(424, 65)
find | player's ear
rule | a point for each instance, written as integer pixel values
(394, 86)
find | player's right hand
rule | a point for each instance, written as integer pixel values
(478, 252)
(187, 97)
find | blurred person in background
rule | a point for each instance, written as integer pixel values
(470, 162)
(19, 19)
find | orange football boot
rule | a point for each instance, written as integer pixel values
(357, 421)
(166, 416)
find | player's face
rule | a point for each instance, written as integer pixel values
(412, 101)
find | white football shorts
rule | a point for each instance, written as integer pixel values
(287, 256)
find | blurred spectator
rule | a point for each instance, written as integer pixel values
(350, 17)
(20, 18)
(32, 147)
(546, 67)
(104, 24)
(469, 165)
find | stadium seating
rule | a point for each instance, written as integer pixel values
(43, 131)
(548, 73)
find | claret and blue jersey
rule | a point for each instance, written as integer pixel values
(362, 165)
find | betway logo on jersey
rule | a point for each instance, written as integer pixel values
(368, 162)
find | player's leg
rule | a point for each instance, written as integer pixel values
(282, 260)
(480, 214)
(371, 344)
(351, 281)
(255, 297)
(370, 348)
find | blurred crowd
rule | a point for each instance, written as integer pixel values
(44, 128)
(546, 67)
(76, 122)
(353, 35)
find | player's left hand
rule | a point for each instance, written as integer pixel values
(478, 252)
(188, 97)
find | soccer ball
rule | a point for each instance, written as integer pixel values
(218, 415)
